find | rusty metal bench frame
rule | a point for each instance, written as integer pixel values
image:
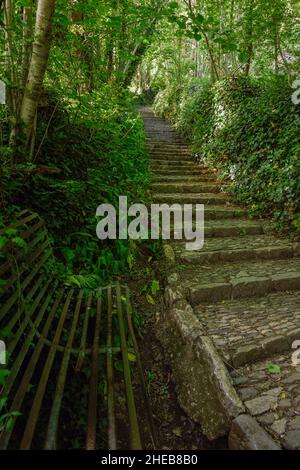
(36, 308)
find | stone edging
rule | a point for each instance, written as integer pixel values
(203, 383)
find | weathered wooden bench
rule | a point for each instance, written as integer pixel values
(69, 354)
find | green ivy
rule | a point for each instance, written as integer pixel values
(249, 129)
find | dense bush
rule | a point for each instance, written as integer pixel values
(166, 101)
(99, 152)
(249, 129)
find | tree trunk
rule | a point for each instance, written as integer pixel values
(249, 38)
(27, 42)
(139, 49)
(38, 64)
(9, 62)
(214, 70)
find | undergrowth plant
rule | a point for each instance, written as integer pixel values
(249, 129)
(93, 154)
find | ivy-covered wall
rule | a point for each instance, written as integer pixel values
(249, 129)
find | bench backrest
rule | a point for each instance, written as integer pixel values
(57, 338)
(24, 253)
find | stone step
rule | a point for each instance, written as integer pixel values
(272, 399)
(221, 249)
(239, 228)
(214, 230)
(222, 213)
(164, 137)
(187, 187)
(225, 212)
(167, 148)
(174, 164)
(153, 150)
(163, 165)
(180, 171)
(184, 179)
(157, 144)
(237, 280)
(244, 286)
(182, 167)
(158, 140)
(169, 153)
(247, 330)
(171, 157)
(194, 198)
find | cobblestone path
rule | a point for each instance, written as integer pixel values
(244, 285)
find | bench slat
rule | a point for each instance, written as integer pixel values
(50, 443)
(27, 317)
(20, 222)
(29, 338)
(84, 334)
(134, 427)
(26, 301)
(112, 439)
(93, 396)
(21, 288)
(26, 378)
(73, 333)
(20, 254)
(25, 266)
(37, 402)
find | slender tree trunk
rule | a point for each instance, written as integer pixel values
(249, 60)
(276, 23)
(38, 64)
(249, 38)
(139, 49)
(27, 42)
(9, 62)
(214, 68)
(215, 75)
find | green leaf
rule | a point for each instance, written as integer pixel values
(150, 299)
(3, 374)
(131, 357)
(9, 424)
(119, 366)
(273, 368)
(72, 280)
(3, 402)
(154, 287)
(3, 242)
(243, 57)
(19, 242)
(6, 332)
(11, 232)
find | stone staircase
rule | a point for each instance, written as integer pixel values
(243, 290)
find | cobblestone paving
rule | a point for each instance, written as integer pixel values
(239, 224)
(228, 272)
(232, 324)
(236, 243)
(244, 286)
(274, 399)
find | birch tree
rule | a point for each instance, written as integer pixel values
(38, 65)
(27, 41)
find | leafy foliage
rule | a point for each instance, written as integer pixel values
(100, 156)
(249, 129)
